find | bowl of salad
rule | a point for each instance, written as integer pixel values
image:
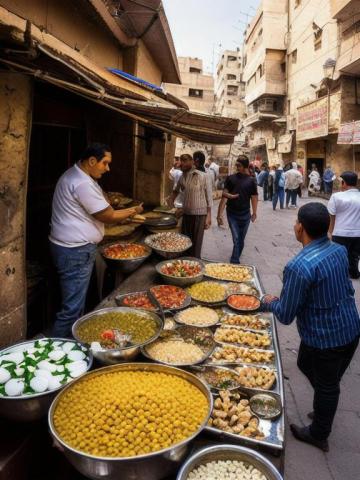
(182, 272)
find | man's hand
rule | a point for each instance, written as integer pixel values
(220, 221)
(208, 222)
(232, 196)
(179, 212)
(268, 298)
(253, 217)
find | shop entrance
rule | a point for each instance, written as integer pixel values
(318, 162)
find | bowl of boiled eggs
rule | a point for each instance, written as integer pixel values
(33, 372)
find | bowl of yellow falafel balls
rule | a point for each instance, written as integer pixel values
(132, 420)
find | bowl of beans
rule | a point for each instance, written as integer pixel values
(125, 257)
(116, 334)
(168, 244)
(130, 421)
(228, 462)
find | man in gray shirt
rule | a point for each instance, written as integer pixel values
(79, 211)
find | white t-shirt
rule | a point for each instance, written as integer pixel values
(346, 207)
(77, 197)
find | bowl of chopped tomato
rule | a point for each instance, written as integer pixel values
(181, 271)
(243, 303)
(125, 257)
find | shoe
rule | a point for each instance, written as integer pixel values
(310, 415)
(304, 435)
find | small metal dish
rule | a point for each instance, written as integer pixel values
(185, 303)
(198, 325)
(266, 405)
(202, 337)
(180, 281)
(247, 310)
(201, 371)
(119, 300)
(211, 303)
(250, 269)
(229, 452)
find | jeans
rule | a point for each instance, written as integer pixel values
(74, 267)
(291, 195)
(266, 190)
(239, 224)
(279, 194)
(352, 245)
(328, 187)
(324, 370)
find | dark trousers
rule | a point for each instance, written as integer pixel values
(279, 194)
(324, 370)
(266, 190)
(239, 224)
(328, 187)
(271, 192)
(193, 226)
(291, 195)
(352, 245)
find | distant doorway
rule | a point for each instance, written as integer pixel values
(318, 162)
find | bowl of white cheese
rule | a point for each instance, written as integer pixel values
(33, 372)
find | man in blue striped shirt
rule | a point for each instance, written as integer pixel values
(318, 292)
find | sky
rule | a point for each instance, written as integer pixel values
(203, 28)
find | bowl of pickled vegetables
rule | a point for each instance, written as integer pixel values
(208, 292)
(116, 334)
(125, 257)
(243, 303)
(182, 272)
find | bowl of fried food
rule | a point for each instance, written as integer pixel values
(125, 257)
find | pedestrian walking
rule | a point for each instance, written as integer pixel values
(197, 203)
(344, 209)
(214, 171)
(240, 191)
(174, 175)
(318, 293)
(328, 179)
(279, 187)
(293, 180)
(301, 170)
(199, 161)
(314, 181)
(263, 180)
(271, 181)
(79, 211)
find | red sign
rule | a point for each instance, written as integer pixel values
(313, 120)
(349, 133)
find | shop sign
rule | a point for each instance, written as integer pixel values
(349, 133)
(313, 120)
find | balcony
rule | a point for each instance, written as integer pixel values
(268, 85)
(260, 117)
(343, 9)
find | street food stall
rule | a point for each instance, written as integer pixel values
(175, 375)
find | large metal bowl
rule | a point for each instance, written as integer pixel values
(126, 265)
(126, 354)
(181, 281)
(153, 466)
(167, 253)
(29, 408)
(229, 452)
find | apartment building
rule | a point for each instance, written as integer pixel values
(265, 76)
(196, 88)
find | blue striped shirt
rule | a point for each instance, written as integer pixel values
(318, 292)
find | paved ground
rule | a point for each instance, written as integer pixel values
(269, 245)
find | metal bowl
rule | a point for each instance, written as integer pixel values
(186, 332)
(125, 265)
(229, 452)
(266, 405)
(153, 466)
(243, 310)
(30, 408)
(167, 253)
(181, 281)
(203, 369)
(117, 355)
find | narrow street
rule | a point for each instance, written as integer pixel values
(270, 243)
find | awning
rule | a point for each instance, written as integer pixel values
(285, 143)
(60, 65)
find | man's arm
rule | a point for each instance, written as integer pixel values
(293, 297)
(109, 215)
(209, 200)
(254, 204)
(332, 212)
(332, 225)
(221, 209)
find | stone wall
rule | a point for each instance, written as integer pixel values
(15, 126)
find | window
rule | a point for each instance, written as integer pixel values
(232, 90)
(260, 71)
(229, 102)
(297, 3)
(245, 60)
(283, 67)
(294, 56)
(230, 76)
(195, 70)
(193, 92)
(231, 58)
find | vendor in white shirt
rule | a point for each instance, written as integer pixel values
(79, 211)
(344, 209)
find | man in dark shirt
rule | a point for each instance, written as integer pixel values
(240, 190)
(318, 293)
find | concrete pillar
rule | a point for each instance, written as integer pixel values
(15, 127)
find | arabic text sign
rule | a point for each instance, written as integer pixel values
(313, 120)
